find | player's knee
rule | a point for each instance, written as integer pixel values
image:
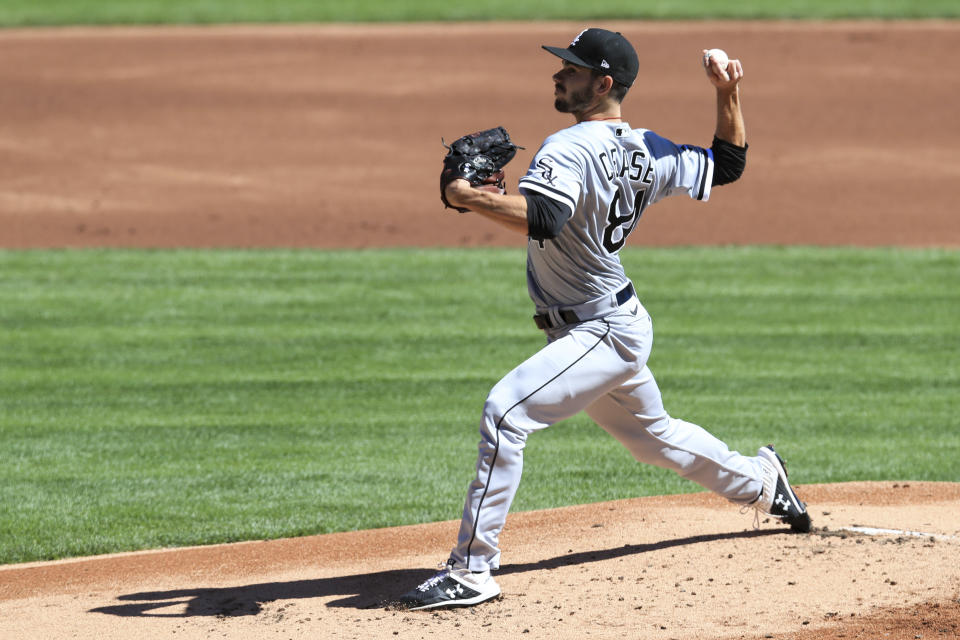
(498, 403)
(496, 423)
(493, 414)
(660, 427)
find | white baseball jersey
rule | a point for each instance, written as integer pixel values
(605, 174)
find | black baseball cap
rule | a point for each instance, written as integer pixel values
(605, 51)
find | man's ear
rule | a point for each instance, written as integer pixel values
(605, 83)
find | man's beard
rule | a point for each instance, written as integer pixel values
(578, 101)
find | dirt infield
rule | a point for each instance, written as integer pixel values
(330, 137)
(680, 567)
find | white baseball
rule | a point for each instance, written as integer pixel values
(720, 56)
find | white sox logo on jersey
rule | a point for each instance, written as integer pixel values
(546, 170)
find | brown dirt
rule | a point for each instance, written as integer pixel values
(249, 136)
(330, 136)
(678, 567)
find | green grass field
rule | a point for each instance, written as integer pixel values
(159, 398)
(162, 398)
(60, 12)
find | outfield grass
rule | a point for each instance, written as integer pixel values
(61, 12)
(160, 398)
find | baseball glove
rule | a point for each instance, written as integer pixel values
(479, 159)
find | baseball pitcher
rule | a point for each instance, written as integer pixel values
(581, 197)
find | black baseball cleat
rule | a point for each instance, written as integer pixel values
(778, 498)
(451, 587)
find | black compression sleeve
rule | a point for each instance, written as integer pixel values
(545, 217)
(729, 161)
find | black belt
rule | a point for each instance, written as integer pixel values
(543, 320)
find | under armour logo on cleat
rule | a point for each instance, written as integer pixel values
(781, 502)
(453, 593)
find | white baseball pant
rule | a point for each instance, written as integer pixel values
(598, 366)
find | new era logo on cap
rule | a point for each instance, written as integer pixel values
(602, 50)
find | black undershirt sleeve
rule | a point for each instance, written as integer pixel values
(545, 217)
(729, 161)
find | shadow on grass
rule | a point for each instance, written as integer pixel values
(361, 591)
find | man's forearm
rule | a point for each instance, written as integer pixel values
(509, 211)
(730, 126)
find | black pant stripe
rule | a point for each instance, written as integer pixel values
(496, 449)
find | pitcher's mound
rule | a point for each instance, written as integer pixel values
(883, 561)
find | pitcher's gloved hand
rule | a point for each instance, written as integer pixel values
(479, 159)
